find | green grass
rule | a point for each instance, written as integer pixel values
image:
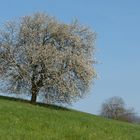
(23, 121)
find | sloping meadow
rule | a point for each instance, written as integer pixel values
(23, 121)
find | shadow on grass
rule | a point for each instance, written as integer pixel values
(50, 106)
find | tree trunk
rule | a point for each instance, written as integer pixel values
(35, 86)
(34, 91)
(33, 97)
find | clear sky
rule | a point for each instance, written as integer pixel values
(117, 24)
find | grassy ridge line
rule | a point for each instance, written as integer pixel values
(23, 121)
(38, 103)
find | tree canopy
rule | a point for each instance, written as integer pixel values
(114, 108)
(39, 54)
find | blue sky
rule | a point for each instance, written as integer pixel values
(117, 24)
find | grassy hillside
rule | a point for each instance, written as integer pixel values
(23, 121)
